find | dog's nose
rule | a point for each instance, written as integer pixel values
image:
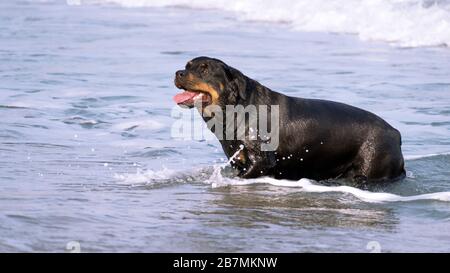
(180, 73)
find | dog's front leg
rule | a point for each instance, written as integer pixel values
(258, 164)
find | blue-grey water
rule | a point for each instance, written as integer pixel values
(87, 154)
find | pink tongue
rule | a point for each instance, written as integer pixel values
(184, 96)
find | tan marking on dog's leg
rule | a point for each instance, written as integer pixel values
(242, 157)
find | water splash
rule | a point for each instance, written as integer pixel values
(216, 178)
(307, 185)
(146, 177)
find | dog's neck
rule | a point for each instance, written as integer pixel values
(256, 94)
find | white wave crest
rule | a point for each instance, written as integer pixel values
(216, 179)
(306, 185)
(414, 157)
(408, 23)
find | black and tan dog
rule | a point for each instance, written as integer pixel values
(318, 139)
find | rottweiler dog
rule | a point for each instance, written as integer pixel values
(318, 139)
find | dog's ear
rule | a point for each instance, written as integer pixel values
(236, 82)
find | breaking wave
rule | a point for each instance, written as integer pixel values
(406, 23)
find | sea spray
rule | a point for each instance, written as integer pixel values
(405, 23)
(307, 185)
(216, 177)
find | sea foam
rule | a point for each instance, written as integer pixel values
(406, 23)
(216, 179)
(306, 185)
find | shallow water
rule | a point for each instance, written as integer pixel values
(87, 153)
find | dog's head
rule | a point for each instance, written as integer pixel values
(208, 81)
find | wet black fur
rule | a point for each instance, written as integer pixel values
(322, 139)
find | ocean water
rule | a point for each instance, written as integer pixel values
(88, 158)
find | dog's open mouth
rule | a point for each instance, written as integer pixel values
(189, 98)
